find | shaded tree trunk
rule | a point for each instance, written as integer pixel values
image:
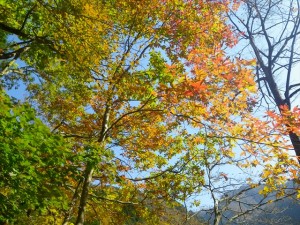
(295, 139)
(72, 204)
(84, 194)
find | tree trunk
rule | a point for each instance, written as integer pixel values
(72, 204)
(84, 194)
(217, 219)
(296, 144)
(89, 171)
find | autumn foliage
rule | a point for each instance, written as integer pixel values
(142, 92)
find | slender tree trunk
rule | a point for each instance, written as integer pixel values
(72, 204)
(217, 219)
(89, 171)
(84, 194)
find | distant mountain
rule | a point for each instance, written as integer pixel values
(282, 212)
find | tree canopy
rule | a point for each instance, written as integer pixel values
(134, 100)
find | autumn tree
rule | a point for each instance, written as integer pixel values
(271, 30)
(142, 91)
(235, 196)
